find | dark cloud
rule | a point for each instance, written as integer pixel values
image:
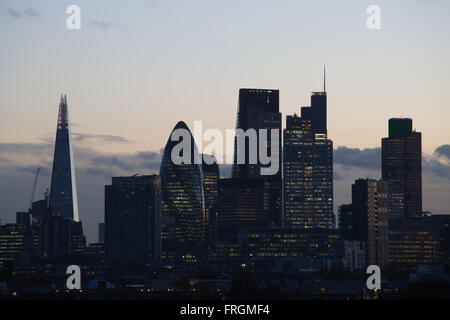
(360, 158)
(103, 25)
(443, 151)
(27, 12)
(148, 155)
(44, 171)
(348, 159)
(436, 168)
(103, 137)
(23, 147)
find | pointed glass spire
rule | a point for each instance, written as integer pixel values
(63, 192)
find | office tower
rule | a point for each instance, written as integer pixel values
(55, 236)
(101, 232)
(211, 190)
(18, 244)
(308, 168)
(402, 163)
(183, 208)
(370, 216)
(240, 206)
(354, 255)
(346, 222)
(23, 218)
(63, 191)
(354, 247)
(414, 241)
(76, 238)
(39, 211)
(132, 219)
(396, 201)
(320, 248)
(259, 109)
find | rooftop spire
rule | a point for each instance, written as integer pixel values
(324, 79)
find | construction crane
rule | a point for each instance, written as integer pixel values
(34, 187)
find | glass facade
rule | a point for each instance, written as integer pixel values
(402, 163)
(308, 175)
(211, 178)
(63, 191)
(183, 207)
(132, 219)
(259, 109)
(370, 218)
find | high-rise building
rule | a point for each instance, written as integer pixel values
(322, 247)
(101, 232)
(259, 109)
(308, 168)
(55, 236)
(63, 191)
(370, 218)
(132, 219)
(18, 244)
(346, 222)
(402, 163)
(414, 241)
(240, 206)
(183, 205)
(23, 218)
(396, 201)
(211, 178)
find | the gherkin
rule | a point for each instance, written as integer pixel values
(183, 213)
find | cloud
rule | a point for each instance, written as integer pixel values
(443, 151)
(94, 170)
(76, 136)
(360, 158)
(27, 12)
(349, 159)
(103, 25)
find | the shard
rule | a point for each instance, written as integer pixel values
(63, 200)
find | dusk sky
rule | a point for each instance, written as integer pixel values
(138, 67)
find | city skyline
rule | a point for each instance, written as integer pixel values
(368, 83)
(225, 171)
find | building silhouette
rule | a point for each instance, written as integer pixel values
(183, 205)
(370, 218)
(63, 190)
(101, 232)
(132, 220)
(259, 109)
(240, 206)
(308, 168)
(402, 164)
(211, 176)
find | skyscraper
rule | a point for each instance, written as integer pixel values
(132, 219)
(240, 206)
(63, 192)
(402, 163)
(370, 218)
(259, 109)
(308, 168)
(183, 206)
(211, 177)
(101, 232)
